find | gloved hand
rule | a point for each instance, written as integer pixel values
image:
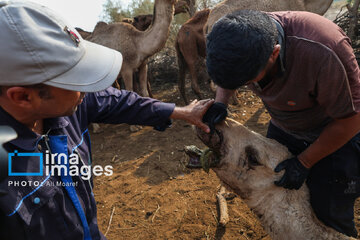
(295, 173)
(215, 114)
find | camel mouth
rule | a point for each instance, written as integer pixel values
(209, 157)
(204, 159)
(214, 140)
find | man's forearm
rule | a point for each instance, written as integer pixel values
(223, 95)
(333, 137)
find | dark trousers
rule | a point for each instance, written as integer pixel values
(333, 182)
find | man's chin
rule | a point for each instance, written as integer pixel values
(71, 111)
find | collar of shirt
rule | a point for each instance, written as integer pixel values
(27, 139)
(281, 41)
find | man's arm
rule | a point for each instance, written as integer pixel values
(120, 106)
(223, 95)
(193, 113)
(333, 137)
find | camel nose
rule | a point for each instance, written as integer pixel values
(212, 140)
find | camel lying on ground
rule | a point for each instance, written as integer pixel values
(246, 165)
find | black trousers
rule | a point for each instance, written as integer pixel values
(333, 182)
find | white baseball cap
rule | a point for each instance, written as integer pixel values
(38, 46)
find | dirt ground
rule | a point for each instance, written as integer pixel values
(152, 195)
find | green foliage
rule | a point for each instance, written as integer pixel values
(114, 11)
(202, 4)
(139, 7)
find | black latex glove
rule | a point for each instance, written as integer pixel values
(215, 114)
(295, 173)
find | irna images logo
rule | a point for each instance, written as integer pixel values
(55, 164)
(15, 154)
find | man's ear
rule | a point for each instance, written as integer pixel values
(275, 54)
(22, 97)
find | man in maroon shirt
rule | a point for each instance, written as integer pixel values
(303, 68)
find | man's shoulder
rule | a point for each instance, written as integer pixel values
(310, 26)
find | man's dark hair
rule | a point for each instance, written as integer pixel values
(239, 46)
(43, 90)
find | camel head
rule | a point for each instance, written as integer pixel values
(142, 22)
(181, 6)
(244, 159)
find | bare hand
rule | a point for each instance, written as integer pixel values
(193, 113)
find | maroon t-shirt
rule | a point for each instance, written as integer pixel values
(321, 78)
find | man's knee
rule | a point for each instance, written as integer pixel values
(336, 212)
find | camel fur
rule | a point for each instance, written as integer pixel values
(247, 162)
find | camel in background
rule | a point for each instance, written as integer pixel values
(190, 45)
(141, 23)
(136, 46)
(188, 38)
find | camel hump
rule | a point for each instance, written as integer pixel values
(200, 16)
(100, 25)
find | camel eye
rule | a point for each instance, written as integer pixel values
(252, 156)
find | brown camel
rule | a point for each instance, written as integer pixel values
(228, 6)
(190, 45)
(136, 46)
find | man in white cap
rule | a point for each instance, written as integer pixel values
(45, 70)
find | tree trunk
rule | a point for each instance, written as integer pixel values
(192, 7)
(353, 13)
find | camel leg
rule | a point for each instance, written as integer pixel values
(191, 58)
(149, 88)
(181, 80)
(148, 85)
(194, 80)
(127, 76)
(182, 72)
(143, 79)
(116, 83)
(136, 82)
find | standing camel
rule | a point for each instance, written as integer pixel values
(190, 45)
(136, 46)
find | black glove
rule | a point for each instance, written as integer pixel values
(295, 173)
(215, 114)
